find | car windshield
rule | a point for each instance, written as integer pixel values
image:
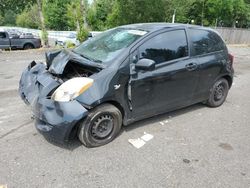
(108, 45)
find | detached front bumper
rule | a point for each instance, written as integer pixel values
(55, 120)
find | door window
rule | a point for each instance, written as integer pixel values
(2, 35)
(165, 47)
(205, 41)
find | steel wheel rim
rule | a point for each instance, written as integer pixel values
(102, 127)
(219, 92)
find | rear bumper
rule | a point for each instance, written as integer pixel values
(55, 120)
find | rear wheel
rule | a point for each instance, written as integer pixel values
(101, 126)
(218, 93)
(28, 46)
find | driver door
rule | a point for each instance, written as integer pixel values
(171, 84)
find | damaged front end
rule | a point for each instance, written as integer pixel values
(55, 119)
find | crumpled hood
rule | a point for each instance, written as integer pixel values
(61, 60)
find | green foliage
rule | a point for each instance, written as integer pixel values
(196, 12)
(98, 14)
(44, 36)
(74, 16)
(239, 13)
(76, 13)
(29, 18)
(1, 20)
(70, 44)
(16, 6)
(247, 1)
(104, 14)
(181, 8)
(10, 8)
(136, 11)
(55, 14)
(82, 35)
(10, 18)
(248, 16)
(227, 13)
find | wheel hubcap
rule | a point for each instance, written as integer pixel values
(102, 127)
(219, 92)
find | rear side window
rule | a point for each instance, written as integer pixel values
(205, 41)
(2, 35)
(165, 47)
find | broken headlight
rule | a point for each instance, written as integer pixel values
(71, 89)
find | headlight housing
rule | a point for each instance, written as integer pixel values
(71, 89)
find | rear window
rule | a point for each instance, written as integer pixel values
(205, 41)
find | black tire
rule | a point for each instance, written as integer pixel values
(28, 46)
(218, 93)
(101, 126)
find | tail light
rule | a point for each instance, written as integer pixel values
(231, 58)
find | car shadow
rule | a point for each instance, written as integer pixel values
(163, 117)
(71, 145)
(74, 143)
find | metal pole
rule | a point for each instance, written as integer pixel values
(173, 18)
(202, 12)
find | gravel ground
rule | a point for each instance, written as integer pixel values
(193, 147)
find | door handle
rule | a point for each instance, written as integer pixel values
(191, 66)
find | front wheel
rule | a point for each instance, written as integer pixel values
(101, 126)
(218, 93)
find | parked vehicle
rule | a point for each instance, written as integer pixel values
(14, 41)
(71, 38)
(124, 75)
(94, 34)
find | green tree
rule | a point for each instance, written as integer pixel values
(14, 5)
(136, 11)
(55, 13)
(44, 33)
(29, 18)
(180, 8)
(74, 15)
(196, 12)
(10, 18)
(98, 14)
(247, 24)
(1, 20)
(228, 13)
(239, 13)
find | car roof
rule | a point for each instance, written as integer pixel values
(150, 27)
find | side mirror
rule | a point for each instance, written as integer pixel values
(145, 64)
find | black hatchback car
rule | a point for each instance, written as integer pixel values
(124, 75)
